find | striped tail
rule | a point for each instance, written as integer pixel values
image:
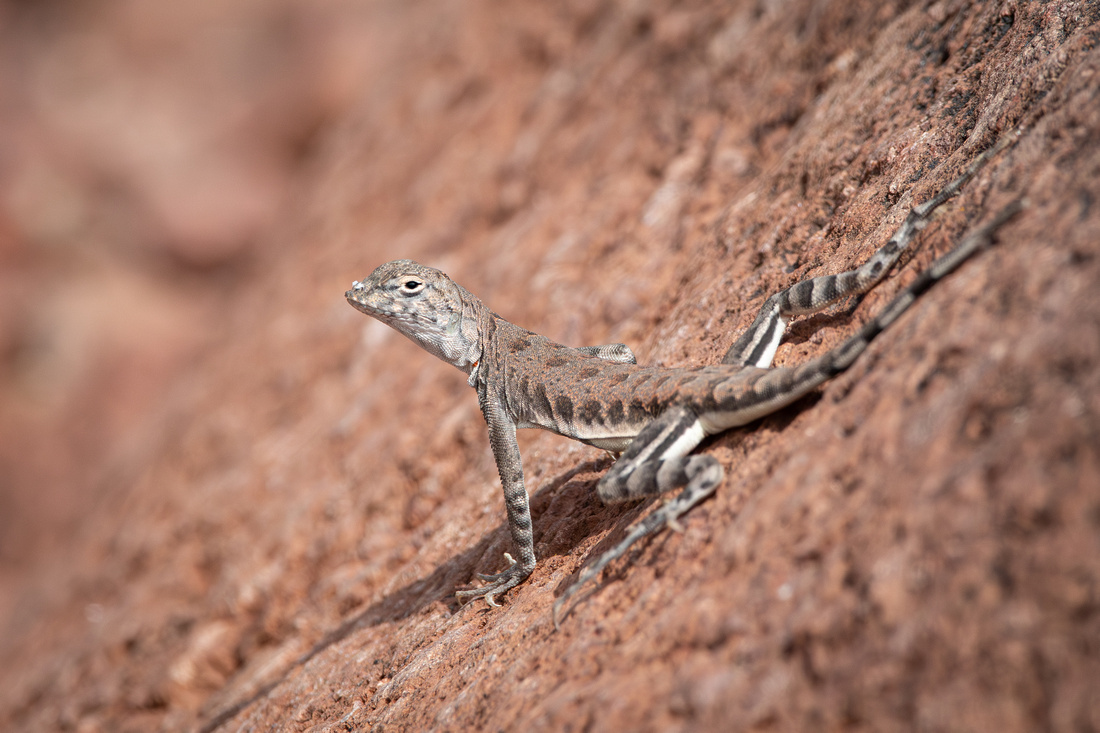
(757, 345)
(794, 382)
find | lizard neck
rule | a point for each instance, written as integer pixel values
(466, 331)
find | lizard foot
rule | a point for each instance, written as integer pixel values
(706, 477)
(498, 583)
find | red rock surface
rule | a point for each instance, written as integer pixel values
(231, 502)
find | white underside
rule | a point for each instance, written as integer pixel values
(768, 356)
(614, 439)
(687, 441)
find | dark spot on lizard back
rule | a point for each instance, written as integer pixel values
(590, 412)
(587, 372)
(556, 360)
(615, 412)
(708, 402)
(520, 343)
(636, 412)
(540, 401)
(617, 378)
(563, 406)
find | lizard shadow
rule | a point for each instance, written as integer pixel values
(415, 596)
(570, 511)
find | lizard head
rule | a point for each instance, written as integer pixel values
(424, 305)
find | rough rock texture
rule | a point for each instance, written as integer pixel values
(231, 502)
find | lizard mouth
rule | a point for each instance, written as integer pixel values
(353, 298)
(387, 315)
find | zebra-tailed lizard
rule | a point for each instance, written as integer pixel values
(599, 395)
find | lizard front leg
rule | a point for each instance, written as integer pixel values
(657, 461)
(502, 439)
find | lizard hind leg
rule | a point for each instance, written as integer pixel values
(656, 462)
(758, 344)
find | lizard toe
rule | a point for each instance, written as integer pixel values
(498, 583)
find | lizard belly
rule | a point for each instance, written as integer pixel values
(615, 444)
(594, 435)
(614, 439)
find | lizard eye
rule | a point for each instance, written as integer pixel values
(411, 286)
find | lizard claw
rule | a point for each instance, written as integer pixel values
(493, 577)
(498, 583)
